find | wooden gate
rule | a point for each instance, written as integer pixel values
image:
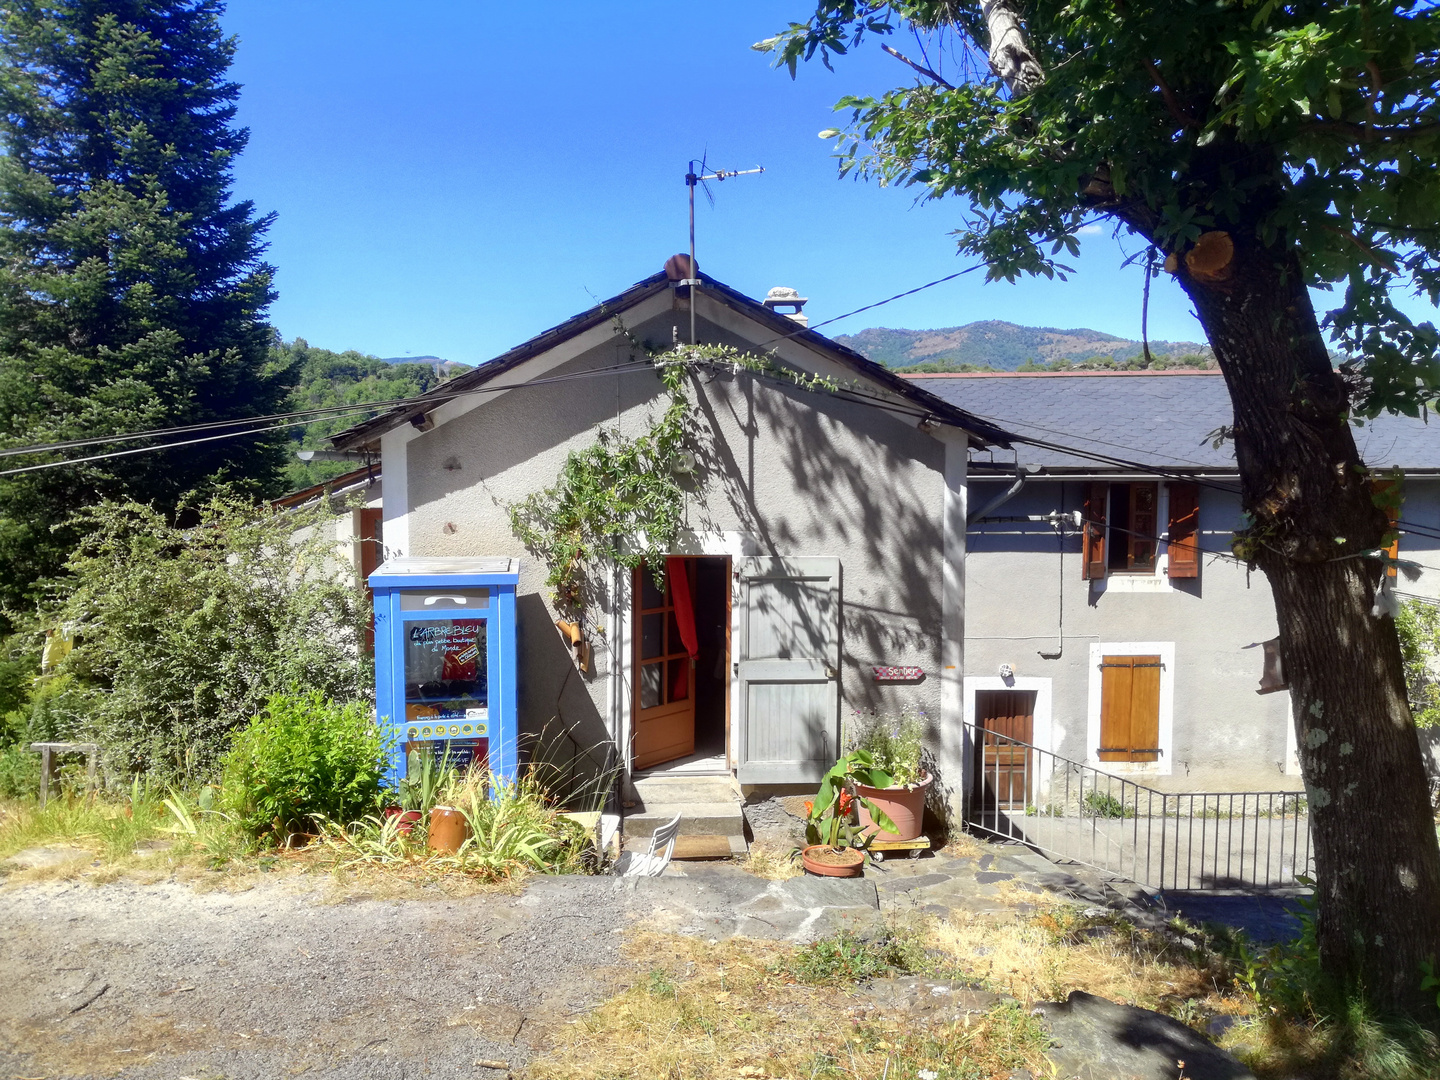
(1004, 769)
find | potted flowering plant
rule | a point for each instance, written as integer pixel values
(896, 747)
(835, 843)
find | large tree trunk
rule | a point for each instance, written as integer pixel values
(1377, 863)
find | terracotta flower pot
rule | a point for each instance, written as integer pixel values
(448, 830)
(408, 818)
(825, 861)
(905, 806)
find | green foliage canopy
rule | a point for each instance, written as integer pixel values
(132, 287)
(183, 635)
(1317, 123)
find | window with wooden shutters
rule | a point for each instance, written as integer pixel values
(1120, 529)
(1129, 708)
(1184, 531)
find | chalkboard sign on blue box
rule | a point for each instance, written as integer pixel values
(445, 661)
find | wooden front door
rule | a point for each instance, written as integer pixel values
(664, 674)
(1005, 769)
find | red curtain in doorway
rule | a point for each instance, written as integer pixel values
(677, 571)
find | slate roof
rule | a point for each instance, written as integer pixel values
(368, 431)
(1160, 418)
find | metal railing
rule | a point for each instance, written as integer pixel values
(1182, 841)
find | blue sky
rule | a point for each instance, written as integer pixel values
(454, 177)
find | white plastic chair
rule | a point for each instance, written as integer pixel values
(654, 861)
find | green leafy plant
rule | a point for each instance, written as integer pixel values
(845, 958)
(302, 760)
(1418, 625)
(829, 817)
(895, 744)
(1103, 804)
(617, 501)
(424, 779)
(19, 773)
(183, 634)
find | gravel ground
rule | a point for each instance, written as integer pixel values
(162, 981)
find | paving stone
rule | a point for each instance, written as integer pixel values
(814, 892)
(992, 877)
(922, 882)
(1096, 1039)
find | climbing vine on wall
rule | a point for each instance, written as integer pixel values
(619, 501)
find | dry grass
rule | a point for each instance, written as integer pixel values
(726, 1010)
(964, 846)
(770, 862)
(716, 1010)
(1057, 951)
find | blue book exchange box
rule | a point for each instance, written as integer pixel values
(445, 661)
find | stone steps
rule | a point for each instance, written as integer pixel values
(707, 805)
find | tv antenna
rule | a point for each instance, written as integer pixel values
(693, 179)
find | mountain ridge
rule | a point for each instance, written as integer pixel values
(1006, 345)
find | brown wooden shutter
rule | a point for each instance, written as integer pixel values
(1184, 534)
(1129, 708)
(1092, 543)
(1388, 488)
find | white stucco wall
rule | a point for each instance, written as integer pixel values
(1217, 732)
(783, 471)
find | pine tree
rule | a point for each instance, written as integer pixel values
(133, 290)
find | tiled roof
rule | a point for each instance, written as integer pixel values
(1159, 418)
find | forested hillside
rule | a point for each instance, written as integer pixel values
(346, 378)
(1008, 347)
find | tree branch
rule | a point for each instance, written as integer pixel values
(1010, 55)
(921, 68)
(1178, 111)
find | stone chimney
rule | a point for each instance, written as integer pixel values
(782, 297)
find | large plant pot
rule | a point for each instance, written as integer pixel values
(448, 830)
(825, 861)
(408, 818)
(905, 806)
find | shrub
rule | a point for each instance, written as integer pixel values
(183, 634)
(1418, 624)
(302, 761)
(19, 773)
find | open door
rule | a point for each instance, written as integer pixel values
(788, 663)
(664, 672)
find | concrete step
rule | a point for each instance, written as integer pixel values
(676, 790)
(696, 819)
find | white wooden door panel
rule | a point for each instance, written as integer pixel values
(788, 667)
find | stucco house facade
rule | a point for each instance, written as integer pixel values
(1131, 643)
(824, 537)
(1079, 595)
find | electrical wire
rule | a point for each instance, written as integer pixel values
(588, 373)
(871, 307)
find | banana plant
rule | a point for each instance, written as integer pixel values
(829, 816)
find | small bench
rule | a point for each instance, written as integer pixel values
(47, 752)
